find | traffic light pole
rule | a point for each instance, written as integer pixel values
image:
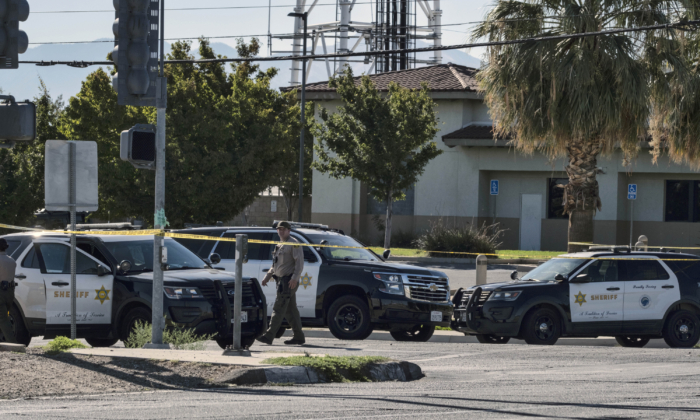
(159, 219)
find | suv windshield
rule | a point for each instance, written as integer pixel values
(551, 268)
(140, 255)
(346, 254)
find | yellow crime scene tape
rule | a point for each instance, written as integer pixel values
(257, 241)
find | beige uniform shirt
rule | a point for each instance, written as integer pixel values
(287, 260)
(7, 267)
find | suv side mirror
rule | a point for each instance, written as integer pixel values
(559, 277)
(581, 278)
(386, 254)
(514, 275)
(215, 258)
(103, 271)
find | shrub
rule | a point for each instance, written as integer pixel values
(61, 344)
(403, 239)
(460, 239)
(335, 368)
(180, 338)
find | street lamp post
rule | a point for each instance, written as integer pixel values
(304, 17)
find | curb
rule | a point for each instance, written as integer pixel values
(376, 372)
(18, 348)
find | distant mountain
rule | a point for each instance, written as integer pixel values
(66, 81)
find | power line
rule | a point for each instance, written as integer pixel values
(384, 52)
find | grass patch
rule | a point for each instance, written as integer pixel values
(439, 328)
(510, 253)
(401, 252)
(335, 368)
(61, 344)
(180, 338)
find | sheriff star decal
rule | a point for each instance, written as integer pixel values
(580, 298)
(306, 280)
(102, 295)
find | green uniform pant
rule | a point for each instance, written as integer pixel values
(6, 301)
(285, 307)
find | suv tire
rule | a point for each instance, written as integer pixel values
(541, 326)
(631, 341)
(245, 341)
(420, 333)
(102, 342)
(491, 339)
(21, 334)
(349, 319)
(128, 323)
(682, 329)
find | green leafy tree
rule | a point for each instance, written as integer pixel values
(22, 167)
(581, 97)
(382, 140)
(222, 138)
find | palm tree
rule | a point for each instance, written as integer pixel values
(580, 97)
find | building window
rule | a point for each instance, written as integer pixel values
(682, 201)
(400, 208)
(555, 201)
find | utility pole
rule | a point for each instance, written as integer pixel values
(241, 258)
(304, 16)
(159, 219)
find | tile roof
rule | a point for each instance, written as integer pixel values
(473, 132)
(440, 78)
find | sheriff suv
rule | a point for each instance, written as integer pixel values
(633, 296)
(350, 290)
(114, 285)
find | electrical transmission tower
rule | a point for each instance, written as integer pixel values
(392, 25)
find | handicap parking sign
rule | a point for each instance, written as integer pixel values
(631, 191)
(494, 187)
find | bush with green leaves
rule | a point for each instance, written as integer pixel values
(61, 344)
(440, 237)
(181, 338)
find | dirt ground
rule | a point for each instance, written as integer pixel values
(37, 374)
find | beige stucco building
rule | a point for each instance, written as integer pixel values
(456, 185)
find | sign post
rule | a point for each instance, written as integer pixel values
(494, 192)
(70, 182)
(241, 258)
(632, 196)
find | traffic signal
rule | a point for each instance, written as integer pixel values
(135, 51)
(138, 146)
(12, 41)
(17, 120)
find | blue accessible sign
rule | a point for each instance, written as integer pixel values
(631, 191)
(494, 187)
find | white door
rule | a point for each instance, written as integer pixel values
(94, 293)
(30, 292)
(650, 290)
(600, 300)
(306, 293)
(227, 252)
(530, 221)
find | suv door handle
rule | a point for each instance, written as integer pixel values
(60, 283)
(613, 288)
(667, 286)
(20, 276)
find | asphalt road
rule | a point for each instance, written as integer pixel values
(476, 380)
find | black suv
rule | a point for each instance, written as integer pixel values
(633, 296)
(350, 290)
(114, 284)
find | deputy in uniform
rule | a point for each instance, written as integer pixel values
(287, 265)
(7, 291)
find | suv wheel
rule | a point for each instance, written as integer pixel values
(245, 341)
(541, 327)
(349, 319)
(682, 329)
(102, 342)
(138, 314)
(634, 341)
(21, 334)
(491, 339)
(416, 333)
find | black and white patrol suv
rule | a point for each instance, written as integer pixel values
(349, 290)
(114, 284)
(633, 296)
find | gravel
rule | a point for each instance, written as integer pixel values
(37, 374)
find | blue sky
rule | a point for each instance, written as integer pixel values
(70, 27)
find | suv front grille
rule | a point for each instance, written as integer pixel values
(420, 287)
(248, 295)
(468, 293)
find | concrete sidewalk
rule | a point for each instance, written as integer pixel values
(204, 356)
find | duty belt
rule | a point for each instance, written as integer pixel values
(289, 277)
